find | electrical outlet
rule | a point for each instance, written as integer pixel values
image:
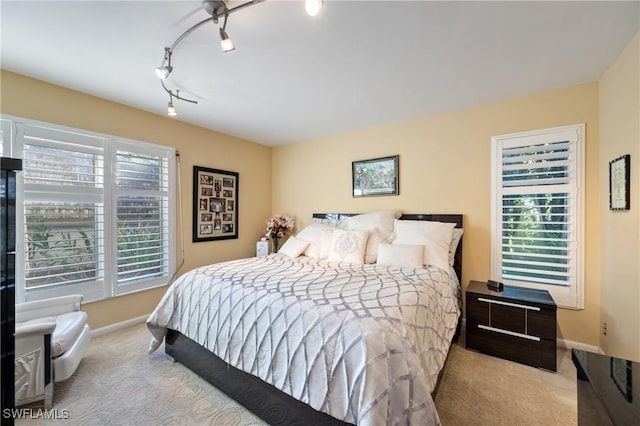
(604, 328)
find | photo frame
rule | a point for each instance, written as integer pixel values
(375, 177)
(215, 204)
(620, 183)
(622, 377)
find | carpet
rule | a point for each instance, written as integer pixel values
(118, 383)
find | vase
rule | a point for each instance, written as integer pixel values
(276, 244)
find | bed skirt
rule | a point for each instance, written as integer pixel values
(264, 400)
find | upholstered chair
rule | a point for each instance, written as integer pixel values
(51, 336)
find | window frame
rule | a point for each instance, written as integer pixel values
(106, 285)
(130, 287)
(571, 296)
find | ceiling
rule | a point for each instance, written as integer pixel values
(293, 78)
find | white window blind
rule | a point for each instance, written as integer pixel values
(538, 210)
(96, 217)
(63, 181)
(142, 204)
(5, 138)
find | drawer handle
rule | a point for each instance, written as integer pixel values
(515, 305)
(510, 333)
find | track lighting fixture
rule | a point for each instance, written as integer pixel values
(171, 110)
(225, 41)
(163, 71)
(217, 9)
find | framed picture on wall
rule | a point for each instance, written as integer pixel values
(215, 204)
(620, 183)
(378, 176)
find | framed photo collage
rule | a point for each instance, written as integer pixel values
(215, 204)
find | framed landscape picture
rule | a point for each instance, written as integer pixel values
(378, 176)
(215, 204)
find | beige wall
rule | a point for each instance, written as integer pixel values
(445, 166)
(620, 232)
(25, 97)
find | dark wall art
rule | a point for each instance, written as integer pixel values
(215, 204)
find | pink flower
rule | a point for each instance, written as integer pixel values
(278, 226)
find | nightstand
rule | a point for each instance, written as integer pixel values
(518, 324)
(262, 248)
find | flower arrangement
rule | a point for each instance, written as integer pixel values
(278, 226)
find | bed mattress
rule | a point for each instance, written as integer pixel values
(362, 343)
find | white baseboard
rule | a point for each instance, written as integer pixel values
(119, 325)
(570, 344)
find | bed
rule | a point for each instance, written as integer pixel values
(305, 340)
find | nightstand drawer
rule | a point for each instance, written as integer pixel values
(518, 317)
(517, 324)
(542, 323)
(537, 353)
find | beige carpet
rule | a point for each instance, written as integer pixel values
(117, 383)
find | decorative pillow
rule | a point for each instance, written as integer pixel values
(293, 247)
(348, 246)
(381, 220)
(371, 253)
(434, 236)
(456, 236)
(319, 238)
(403, 255)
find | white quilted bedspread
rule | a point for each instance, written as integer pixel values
(363, 343)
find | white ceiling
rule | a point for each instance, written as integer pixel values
(293, 77)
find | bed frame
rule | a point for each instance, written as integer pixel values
(264, 400)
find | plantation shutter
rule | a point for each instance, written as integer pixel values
(63, 181)
(5, 138)
(142, 205)
(539, 209)
(95, 213)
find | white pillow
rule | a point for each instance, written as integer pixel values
(371, 253)
(456, 236)
(348, 246)
(403, 255)
(434, 236)
(293, 247)
(381, 220)
(319, 238)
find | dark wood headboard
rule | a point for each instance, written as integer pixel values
(448, 218)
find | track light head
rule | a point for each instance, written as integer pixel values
(171, 110)
(225, 41)
(313, 7)
(163, 72)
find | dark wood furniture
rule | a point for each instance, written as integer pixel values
(8, 169)
(605, 389)
(518, 324)
(259, 397)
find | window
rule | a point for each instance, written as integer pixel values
(95, 216)
(5, 138)
(537, 211)
(142, 223)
